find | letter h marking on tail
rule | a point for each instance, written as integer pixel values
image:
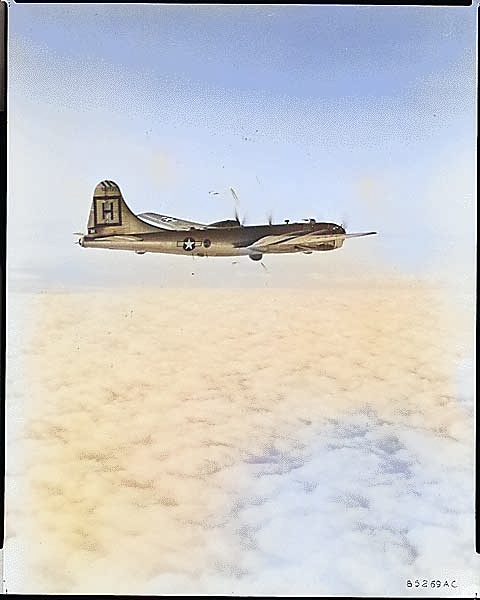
(107, 211)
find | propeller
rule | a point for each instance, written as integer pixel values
(235, 198)
(234, 194)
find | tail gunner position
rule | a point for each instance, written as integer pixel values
(112, 225)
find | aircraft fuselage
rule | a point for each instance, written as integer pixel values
(221, 241)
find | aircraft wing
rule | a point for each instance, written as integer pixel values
(307, 241)
(171, 223)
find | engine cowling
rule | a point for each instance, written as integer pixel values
(255, 256)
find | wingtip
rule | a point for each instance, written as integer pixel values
(350, 235)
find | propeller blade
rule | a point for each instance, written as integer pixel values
(237, 217)
(234, 194)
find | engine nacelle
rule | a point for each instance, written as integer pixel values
(255, 256)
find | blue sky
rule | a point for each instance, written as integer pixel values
(356, 114)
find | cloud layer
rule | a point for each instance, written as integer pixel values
(251, 441)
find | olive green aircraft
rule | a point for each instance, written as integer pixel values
(113, 225)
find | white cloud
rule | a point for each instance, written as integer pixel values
(267, 441)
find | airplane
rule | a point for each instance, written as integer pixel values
(111, 224)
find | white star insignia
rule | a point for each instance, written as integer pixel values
(189, 244)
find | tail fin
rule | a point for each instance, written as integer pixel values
(109, 214)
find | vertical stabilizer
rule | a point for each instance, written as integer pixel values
(110, 215)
